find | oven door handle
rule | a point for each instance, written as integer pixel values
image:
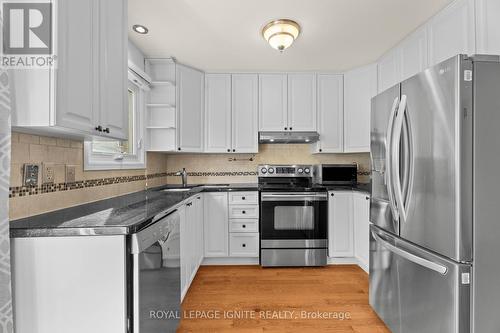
(294, 196)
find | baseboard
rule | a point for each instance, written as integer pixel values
(230, 261)
(349, 261)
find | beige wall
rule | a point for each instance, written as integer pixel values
(37, 149)
(268, 154)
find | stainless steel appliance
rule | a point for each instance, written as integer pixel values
(156, 277)
(434, 239)
(293, 217)
(288, 137)
(336, 174)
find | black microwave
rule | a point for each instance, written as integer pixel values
(336, 174)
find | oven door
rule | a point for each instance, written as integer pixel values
(293, 216)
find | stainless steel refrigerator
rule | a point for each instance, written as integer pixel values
(435, 209)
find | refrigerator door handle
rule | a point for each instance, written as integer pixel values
(388, 178)
(395, 172)
(411, 257)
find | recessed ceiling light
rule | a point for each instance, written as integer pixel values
(140, 29)
(281, 34)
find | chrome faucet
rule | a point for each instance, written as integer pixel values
(184, 176)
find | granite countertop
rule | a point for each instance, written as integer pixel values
(125, 214)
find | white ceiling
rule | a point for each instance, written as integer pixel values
(224, 35)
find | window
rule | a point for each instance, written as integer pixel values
(102, 154)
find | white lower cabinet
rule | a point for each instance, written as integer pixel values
(243, 244)
(191, 230)
(340, 224)
(361, 218)
(216, 224)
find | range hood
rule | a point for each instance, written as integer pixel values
(288, 137)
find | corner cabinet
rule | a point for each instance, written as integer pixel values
(231, 113)
(190, 105)
(86, 95)
(330, 97)
(360, 85)
(340, 224)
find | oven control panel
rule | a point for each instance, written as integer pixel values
(271, 170)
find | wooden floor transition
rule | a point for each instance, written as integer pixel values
(278, 299)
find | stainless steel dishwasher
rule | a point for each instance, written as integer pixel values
(154, 302)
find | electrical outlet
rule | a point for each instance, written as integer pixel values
(70, 173)
(30, 174)
(48, 173)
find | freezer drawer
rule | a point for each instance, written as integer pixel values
(416, 291)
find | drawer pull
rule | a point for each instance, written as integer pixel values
(243, 245)
(243, 198)
(243, 212)
(243, 226)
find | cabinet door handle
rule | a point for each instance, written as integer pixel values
(243, 245)
(229, 150)
(286, 128)
(234, 150)
(320, 150)
(179, 148)
(106, 130)
(332, 194)
(99, 128)
(243, 226)
(243, 212)
(243, 198)
(290, 128)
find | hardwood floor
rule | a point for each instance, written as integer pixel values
(259, 295)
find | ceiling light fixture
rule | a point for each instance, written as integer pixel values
(140, 29)
(281, 34)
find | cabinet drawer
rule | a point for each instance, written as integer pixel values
(243, 198)
(244, 212)
(244, 245)
(244, 225)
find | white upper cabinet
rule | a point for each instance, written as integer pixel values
(273, 99)
(360, 85)
(452, 31)
(245, 116)
(330, 99)
(190, 101)
(302, 102)
(488, 26)
(87, 96)
(413, 54)
(389, 71)
(218, 113)
(113, 76)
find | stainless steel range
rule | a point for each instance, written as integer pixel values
(293, 217)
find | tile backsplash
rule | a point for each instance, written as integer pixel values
(88, 186)
(218, 168)
(97, 185)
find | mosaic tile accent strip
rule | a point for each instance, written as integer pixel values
(21, 191)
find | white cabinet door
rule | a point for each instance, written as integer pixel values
(216, 225)
(452, 31)
(217, 113)
(360, 85)
(389, 72)
(78, 51)
(190, 101)
(340, 224)
(361, 217)
(184, 254)
(245, 113)
(488, 26)
(330, 114)
(273, 102)
(114, 115)
(413, 54)
(302, 102)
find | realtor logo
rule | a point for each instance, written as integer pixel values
(27, 34)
